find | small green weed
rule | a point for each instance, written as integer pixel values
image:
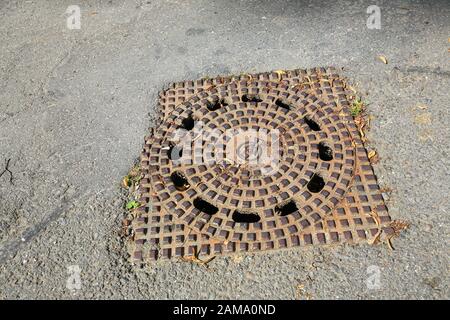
(132, 205)
(357, 107)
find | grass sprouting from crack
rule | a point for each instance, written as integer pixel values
(357, 107)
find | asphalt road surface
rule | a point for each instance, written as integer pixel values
(75, 105)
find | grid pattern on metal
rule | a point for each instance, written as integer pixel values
(348, 208)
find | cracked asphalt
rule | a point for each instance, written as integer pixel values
(75, 106)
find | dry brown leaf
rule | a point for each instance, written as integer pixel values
(389, 243)
(363, 136)
(237, 258)
(425, 135)
(279, 73)
(360, 122)
(126, 222)
(250, 77)
(373, 156)
(196, 259)
(351, 88)
(383, 59)
(376, 217)
(135, 171)
(126, 182)
(423, 118)
(375, 239)
(301, 292)
(398, 226)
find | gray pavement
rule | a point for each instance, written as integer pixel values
(75, 106)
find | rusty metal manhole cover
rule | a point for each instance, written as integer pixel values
(253, 163)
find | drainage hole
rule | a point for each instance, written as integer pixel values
(187, 123)
(251, 98)
(286, 209)
(175, 152)
(281, 104)
(205, 206)
(180, 181)
(312, 124)
(325, 152)
(245, 217)
(316, 183)
(216, 104)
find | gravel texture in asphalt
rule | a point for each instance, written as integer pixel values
(75, 106)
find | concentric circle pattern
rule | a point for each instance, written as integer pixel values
(252, 163)
(289, 117)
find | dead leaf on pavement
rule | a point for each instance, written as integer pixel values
(237, 258)
(195, 258)
(389, 243)
(302, 293)
(126, 182)
(383, 59)
(422, 107)
(386, 189)
(376, 217)
(373, 156)
(375, 239)
(398, 226)
(423, 118)
(351, 88)
(360, 122)
(279, 73)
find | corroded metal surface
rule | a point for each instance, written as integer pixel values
(321, 189)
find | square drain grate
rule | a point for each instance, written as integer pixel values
(199, 200)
